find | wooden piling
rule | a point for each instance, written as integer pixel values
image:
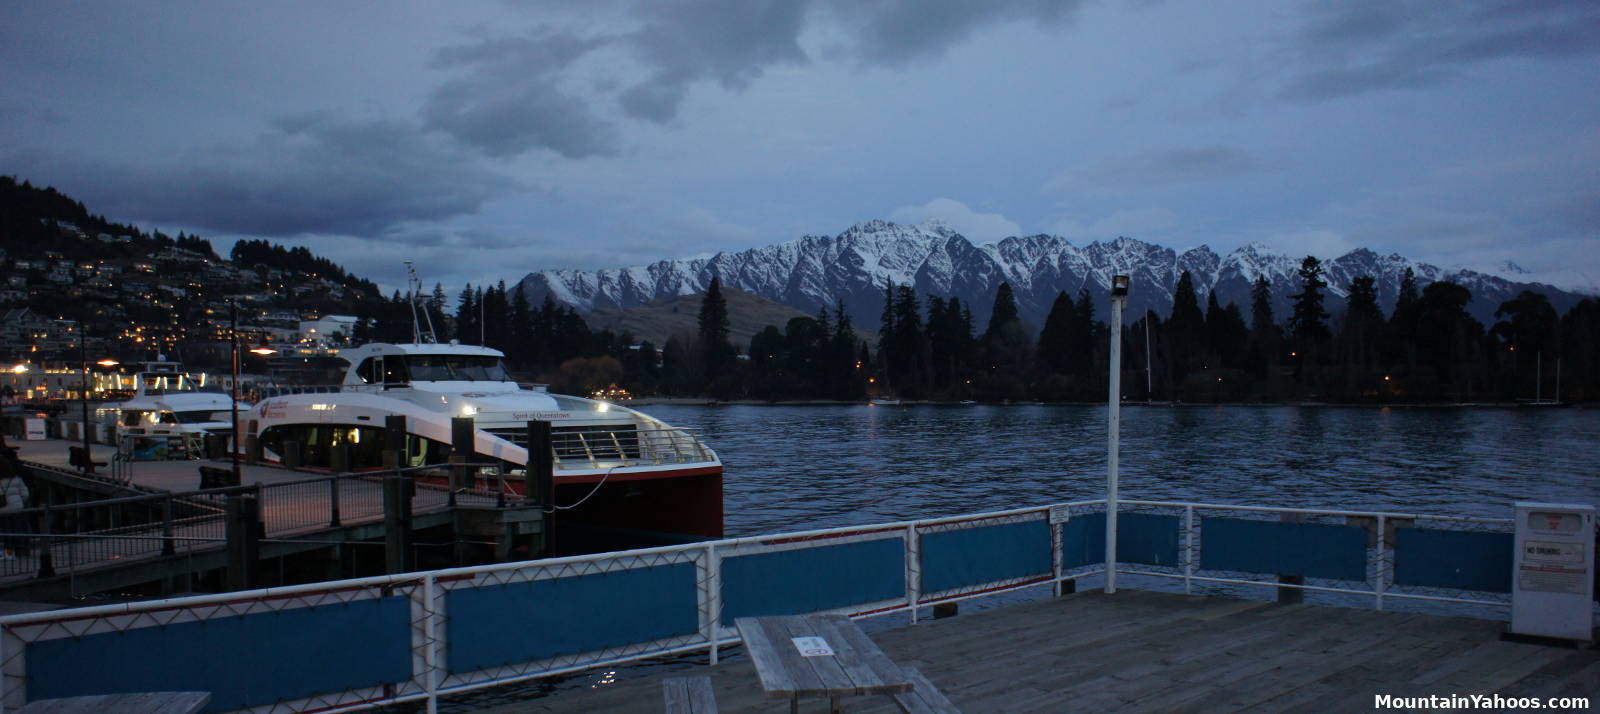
(397, 540)
(244, 532)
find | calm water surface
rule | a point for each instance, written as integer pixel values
(791, 468)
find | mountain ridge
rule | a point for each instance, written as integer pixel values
(813, 271)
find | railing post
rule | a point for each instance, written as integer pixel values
(47, 561)
(430, 645)
(168, 544)
(333, 502)
(713, 599)
(913, 570)
(1383, 541)
(1188, 547)
(1055, 554)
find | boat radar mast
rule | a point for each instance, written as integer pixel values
(414, 287)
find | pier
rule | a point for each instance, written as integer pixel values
(162, 523)
(1149, 651)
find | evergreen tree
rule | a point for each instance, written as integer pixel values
(1308, 327)
(1403, 321)
(716, 355)
(1362, 331)
(1055, 340)
(1185, 331)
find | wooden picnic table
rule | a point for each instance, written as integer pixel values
(844, 663)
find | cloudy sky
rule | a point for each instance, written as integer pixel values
(485, 140)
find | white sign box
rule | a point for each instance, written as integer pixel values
(1552, 581)
(812, 647)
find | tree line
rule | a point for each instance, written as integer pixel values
(1425, 348)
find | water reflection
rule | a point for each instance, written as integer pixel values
(809, 467)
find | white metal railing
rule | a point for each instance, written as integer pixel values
(1380, 552)
(429, 623)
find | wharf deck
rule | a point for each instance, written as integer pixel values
(289, 510)
(1146, 651)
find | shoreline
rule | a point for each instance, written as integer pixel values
(709, 402)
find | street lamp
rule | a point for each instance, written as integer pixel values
(1119, 298)
(233, 396)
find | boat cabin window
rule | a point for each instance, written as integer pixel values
(448, 368)
(370, 370)
(198, 417)
(394, 371)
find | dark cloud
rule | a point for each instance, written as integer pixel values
(730, 41)
(1350, 48)
(308, 174)
(899, 32)
(508, 101)
(1171, 166)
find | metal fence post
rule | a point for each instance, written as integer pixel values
(47, 565)
(1188, 547)
(1383, 538)
(1055, 555)
(913, 570)
(168, 543)
(713, 599)
(333, 502)
(430, 644)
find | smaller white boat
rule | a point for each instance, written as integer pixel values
(166, 402)
(884, 402)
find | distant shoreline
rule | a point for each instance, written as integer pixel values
(706, 401)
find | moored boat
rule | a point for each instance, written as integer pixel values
(615, 467)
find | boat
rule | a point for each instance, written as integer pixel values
(614, 467)
(169, 403)
(884, 402)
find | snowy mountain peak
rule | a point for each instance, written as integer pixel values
(811, 272)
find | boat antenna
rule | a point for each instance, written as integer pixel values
(414, 288)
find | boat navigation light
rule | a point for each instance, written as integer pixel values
(468, 410)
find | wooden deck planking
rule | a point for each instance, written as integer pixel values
(1143, 651)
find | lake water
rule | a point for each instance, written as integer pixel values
(799, 467)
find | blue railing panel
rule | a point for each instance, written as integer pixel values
(1146, 538)
(791, 582)
(244, 661)
(1083, 541)
(987, 554)
(1466, 560)
(1317, 550)
(496, 625)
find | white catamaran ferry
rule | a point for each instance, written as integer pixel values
(621, 468)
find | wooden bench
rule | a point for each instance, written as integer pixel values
(689, 695)
(924, 698)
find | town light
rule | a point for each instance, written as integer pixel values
(263, 351)
(108, 363)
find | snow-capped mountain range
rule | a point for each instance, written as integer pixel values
(816, 271)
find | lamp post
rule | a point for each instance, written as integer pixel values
(83, 355)
(1119, 297)
(233, 396)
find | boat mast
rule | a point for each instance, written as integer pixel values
(1149, 393)
(1538, 376)
(414, 287)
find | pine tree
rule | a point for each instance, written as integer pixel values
(716, 355)
(1055, 340)
(1308, 326)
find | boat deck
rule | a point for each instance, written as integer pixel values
(1146, 651)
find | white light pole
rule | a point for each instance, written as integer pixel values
(1119, 297)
